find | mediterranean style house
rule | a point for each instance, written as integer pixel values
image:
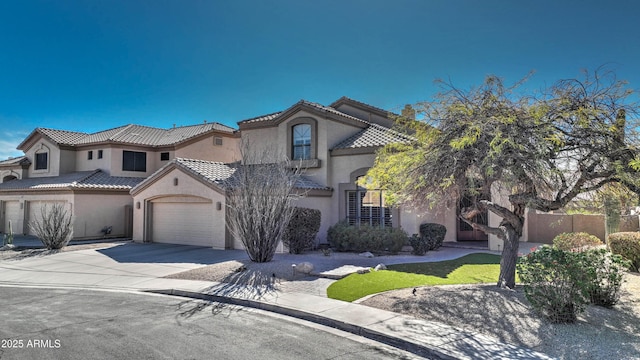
(92, 174)
(165, 185)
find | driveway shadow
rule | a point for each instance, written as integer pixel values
(169, 253)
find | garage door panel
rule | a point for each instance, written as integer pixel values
(183, 223)
(12, 213)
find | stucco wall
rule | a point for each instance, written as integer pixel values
(44, 145)
(21, 226)
(205, 149)
(84, 164)
(153, 162)
(96, 211)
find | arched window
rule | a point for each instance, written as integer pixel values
(301, 144)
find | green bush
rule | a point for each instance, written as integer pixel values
(418, 244)
(554, 283)
(604, 272)
(433, 235)
(345, 237)
(576, 241)
(302, 229)
(627, 245)
(559, 283)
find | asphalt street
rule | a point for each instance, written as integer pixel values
(82, 324)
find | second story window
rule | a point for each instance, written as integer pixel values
(134, 161)
(164, 156)
(42, 161)
(99, 154)
(301, 142)
(90, 155)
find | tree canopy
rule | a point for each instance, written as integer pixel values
(533, 150)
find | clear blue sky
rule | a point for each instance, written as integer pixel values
(93, 65)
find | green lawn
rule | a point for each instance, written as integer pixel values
(469, 269)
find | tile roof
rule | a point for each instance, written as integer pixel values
(132, 134)
(346, 99)
(77, 180)
(267, 117)
(373, 136)
(213, 172)
(304, 103)
(305, 183)
(219, 173)
(20, 160)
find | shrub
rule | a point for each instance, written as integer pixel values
(576, 241)
(433, 235)
(604, 272)
(554, 283)
(627, 245)
(53, 227)
(345, 237)
(418, 244)
(302, 230)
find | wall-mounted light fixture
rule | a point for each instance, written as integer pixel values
(138, 205)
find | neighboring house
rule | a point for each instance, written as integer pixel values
(337, 145)
(92, 174)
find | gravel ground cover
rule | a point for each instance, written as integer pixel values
(505, 314)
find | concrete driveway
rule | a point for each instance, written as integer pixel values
(126, 265)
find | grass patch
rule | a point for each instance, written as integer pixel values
(469, 269)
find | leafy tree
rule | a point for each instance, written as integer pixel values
(522, 151)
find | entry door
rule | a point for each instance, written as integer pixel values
(465, 231)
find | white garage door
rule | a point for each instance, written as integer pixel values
(12, 213)
(35, 210)
(183, 223)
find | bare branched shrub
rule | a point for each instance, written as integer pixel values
(260, 198)
(53, 227)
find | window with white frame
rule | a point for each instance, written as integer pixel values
(367, 207)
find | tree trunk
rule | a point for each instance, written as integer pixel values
(509, 258)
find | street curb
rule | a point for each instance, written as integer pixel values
(409, 346)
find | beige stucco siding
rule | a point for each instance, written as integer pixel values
(32, 200)
(97, 211)
(206, 149)
(153, 162)
(44, 145)
(84, 164)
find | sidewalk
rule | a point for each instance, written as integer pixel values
(95, 269)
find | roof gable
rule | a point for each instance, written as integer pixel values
(314, 108)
